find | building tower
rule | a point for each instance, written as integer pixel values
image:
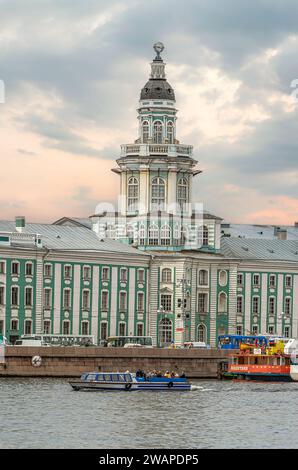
(156, 175)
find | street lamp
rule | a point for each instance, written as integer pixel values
(183, 283)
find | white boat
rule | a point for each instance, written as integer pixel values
(291, 348)
(125, 381)
(294, 372)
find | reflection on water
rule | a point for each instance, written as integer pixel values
(46, 413)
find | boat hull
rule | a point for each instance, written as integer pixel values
(130, 387)
(268, 373)
(259, 377)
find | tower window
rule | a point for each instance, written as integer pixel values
(132, 194)
(158, 194)
(170, 132)
(153, 235)
(182, 192)
(157, 132)
(145, 132)
(165, 235)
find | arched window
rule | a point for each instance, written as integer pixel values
(202, 336)
(222, 303)
(158, 194)
(182, 192)
(153, 235)
(142, 234)
(177, 235)
(165, 235)
(165, 332)
(157, 132)
(166, 275)
(145, 132)
(132, 194)
(170, 132)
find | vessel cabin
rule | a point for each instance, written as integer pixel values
(261, 360)
(107, 377)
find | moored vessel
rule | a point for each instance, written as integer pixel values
(260, 363)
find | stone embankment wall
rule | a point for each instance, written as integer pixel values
(73, 361)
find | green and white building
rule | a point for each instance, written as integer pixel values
(158, 265)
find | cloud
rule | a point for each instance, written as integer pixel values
(73, 71)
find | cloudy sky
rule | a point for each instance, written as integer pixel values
(73, 70)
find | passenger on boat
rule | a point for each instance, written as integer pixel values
(182, 376)
(140, 373)
(167, 374)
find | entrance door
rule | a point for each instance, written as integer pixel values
(165, 328)
(13, 339)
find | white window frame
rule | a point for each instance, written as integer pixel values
(29, 263)
(104, 293)
(15, 263)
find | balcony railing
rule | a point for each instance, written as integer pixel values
(146, 150)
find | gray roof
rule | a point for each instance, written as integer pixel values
(74, 221)
(157, 89)
(60, 237)
(256, 249)
(258, 231)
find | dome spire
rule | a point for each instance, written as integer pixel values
(158, 47)
(158, 65)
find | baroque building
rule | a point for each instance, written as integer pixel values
(158, 265)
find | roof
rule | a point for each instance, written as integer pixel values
(74, 221)
(60, 237)
(157, 89)
(256, 249)
(258, 231)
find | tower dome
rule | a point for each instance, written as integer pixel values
(157, 86)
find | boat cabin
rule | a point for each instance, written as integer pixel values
(107, 377)
(261, 360)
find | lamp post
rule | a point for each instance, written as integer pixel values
(280, 319)
(183, 283)
(160, 310)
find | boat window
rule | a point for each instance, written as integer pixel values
(115, 377)
(127, 377)
(100, 377)
(91, 377)
(107, 377)
(84, 376)
(121, 378)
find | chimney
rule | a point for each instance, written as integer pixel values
(20, 223)
(296, 224)
(282, 234)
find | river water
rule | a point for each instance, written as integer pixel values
(46, 413)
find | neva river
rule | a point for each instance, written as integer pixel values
(46, 413)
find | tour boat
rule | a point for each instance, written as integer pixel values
(270, 364)
(125, 381)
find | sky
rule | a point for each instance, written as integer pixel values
(73, 71)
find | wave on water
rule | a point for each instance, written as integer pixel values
(202, 389)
